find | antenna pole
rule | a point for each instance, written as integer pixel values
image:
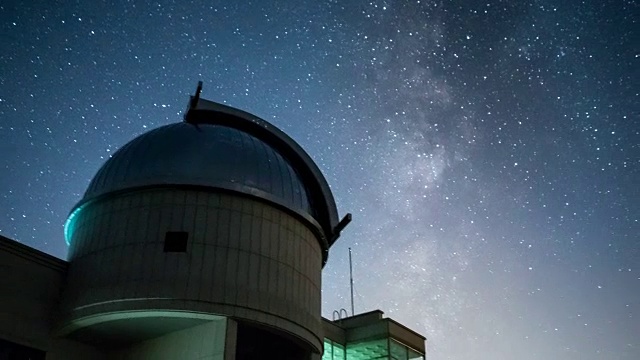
(351, 280)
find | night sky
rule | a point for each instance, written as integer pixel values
(489, 151)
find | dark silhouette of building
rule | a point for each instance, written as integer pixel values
(203, 239)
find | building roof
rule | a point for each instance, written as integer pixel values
(32, 255)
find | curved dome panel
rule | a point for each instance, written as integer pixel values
(207, 155)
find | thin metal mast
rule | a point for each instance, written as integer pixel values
(351, 280)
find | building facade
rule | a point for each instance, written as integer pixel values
(203, 239)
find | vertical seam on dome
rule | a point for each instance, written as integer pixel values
(235, 160)
(257, 160)
(267, 158)
(246, 164)
(256, 151)
(277, 172)
(288, 184)
(295, 185)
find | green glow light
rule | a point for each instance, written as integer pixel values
(69, 225)
(333, 351)
(368, 350)
(385, 348)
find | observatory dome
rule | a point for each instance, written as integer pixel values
(221, 216)
(221, 148)
(204, 155)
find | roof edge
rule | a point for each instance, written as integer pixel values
(27, 252)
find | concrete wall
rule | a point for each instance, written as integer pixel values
(30, 285)
(210, 341)
(202, 342)
(65, 349)
(244, 259)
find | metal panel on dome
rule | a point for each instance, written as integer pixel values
(201, 155)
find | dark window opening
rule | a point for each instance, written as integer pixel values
(257, 343)
(176, 241)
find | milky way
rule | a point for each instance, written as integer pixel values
(488, 151)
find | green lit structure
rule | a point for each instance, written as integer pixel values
(370, 336)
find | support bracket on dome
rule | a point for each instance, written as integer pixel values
(341, 225)
(193, 102)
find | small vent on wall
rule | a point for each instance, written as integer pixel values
(176, 241)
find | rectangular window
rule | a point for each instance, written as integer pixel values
(176, 241)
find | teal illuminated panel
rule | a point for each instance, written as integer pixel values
(397, 350)
(414, 355)
(70, 224)
(376, 349)
(400, 351)
(333, 351)
(380, 349)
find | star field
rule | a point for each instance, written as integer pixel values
(488, 151)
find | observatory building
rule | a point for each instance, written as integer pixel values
(203, 239)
